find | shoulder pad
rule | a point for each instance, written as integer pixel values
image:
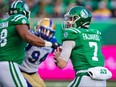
(70, 34)
(18, 19)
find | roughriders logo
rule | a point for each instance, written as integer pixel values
(24, 21)
(65, 34)
(84, 13)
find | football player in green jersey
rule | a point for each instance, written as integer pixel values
(83, 46)
(14, 33)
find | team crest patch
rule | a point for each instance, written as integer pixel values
(65, 34)
(24, 21)
(84, 13)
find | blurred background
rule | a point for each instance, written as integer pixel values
(104, 19)
(101, 9)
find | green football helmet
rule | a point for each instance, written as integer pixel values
(19, 7)
(77, 17)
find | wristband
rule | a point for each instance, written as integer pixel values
(48, 44)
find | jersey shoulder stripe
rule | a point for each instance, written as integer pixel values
(18, 17)
(71, 34)
(73, 30)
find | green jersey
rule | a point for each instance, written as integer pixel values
(87, 51)
(11, 45)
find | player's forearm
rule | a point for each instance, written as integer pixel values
(30, 38)
(63, 56)
(38, 41)
(35, 41)
(61, 63)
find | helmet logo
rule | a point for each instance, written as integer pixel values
(26, 7)
(84, 13)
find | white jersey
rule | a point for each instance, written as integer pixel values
(33, 57)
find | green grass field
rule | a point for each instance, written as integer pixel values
(65, 83)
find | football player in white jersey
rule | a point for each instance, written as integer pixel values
(35, 55)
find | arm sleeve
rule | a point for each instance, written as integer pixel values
(67, 47)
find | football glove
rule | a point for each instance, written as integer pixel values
(55, 45)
